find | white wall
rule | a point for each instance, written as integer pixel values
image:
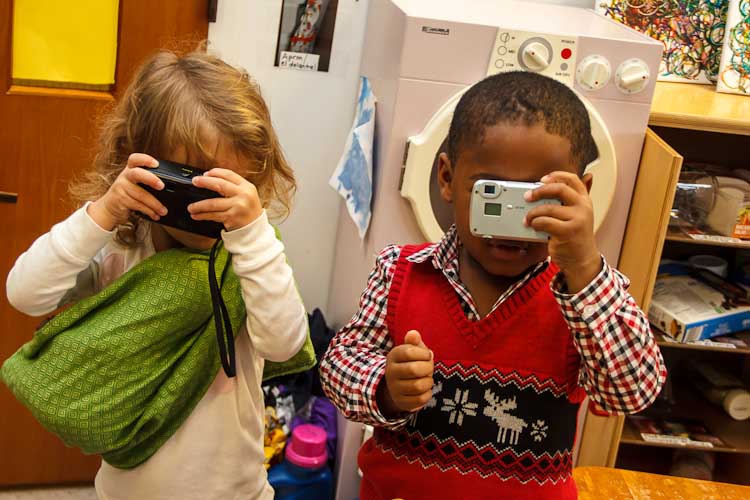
(312, 113)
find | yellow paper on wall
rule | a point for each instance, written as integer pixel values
(65, 41)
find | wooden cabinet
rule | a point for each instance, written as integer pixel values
(695, 124)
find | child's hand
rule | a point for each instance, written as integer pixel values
(239, 206)
(571, 227)
(125, 195)
(408, 377)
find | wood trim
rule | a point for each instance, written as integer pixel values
(600, 440)
(649, 216)
(618, 424)
(60, 92)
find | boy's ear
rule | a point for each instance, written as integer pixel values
(588, 181)
(445, 177)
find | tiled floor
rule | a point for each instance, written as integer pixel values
(71, 493)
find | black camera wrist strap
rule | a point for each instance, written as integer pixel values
(221, 316)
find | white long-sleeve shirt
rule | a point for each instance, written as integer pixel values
(218, 451)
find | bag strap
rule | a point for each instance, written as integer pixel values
(221, 315)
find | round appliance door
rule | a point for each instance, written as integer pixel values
(420, 184)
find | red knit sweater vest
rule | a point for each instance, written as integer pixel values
(502, 420)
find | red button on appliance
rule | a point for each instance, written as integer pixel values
(566, 53)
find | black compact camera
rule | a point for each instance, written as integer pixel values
(177, 194)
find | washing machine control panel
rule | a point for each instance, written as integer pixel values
(594, 72)
(549, 55)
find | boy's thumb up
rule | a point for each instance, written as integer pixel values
(414, 338)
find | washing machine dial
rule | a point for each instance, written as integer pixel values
(632, 76)
(593, 72)
(536, 56)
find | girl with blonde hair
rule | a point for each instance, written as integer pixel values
(192, 109)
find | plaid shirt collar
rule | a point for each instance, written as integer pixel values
(444, 257)
(444, 253)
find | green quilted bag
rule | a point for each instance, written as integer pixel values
(119, 372)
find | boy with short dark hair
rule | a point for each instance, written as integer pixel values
(471, 356)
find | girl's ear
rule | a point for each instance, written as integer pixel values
(445, 177)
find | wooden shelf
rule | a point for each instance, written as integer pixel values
(691, 405)
(661, 339)
(699, 107)
(680, 237)
(631, 436)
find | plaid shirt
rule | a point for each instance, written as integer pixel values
(621, 366)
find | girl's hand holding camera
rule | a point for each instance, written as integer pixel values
(572, 246)
(239, 206)
(125, 195)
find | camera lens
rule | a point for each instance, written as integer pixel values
(489, 189)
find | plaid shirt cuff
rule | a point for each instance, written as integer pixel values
(591, 308)
(376, 375)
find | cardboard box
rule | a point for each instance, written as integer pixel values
(689, 310)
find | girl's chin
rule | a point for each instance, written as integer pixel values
(190, 240)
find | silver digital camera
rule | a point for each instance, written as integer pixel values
(498, 210)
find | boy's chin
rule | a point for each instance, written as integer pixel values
(509, 258)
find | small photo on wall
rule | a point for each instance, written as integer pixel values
(692, 32)
(306, 34)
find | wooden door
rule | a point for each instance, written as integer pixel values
(46, 137)
(639, 260)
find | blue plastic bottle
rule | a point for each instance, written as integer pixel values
(303, 475)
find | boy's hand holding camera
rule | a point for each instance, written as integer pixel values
(407, 385)
(572, 246)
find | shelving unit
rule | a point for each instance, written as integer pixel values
(699, 107)
(694, 123)
(631, 436)
(665, 341)
(691, 405)
(712, 240)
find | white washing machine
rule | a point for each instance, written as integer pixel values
(421, 55)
